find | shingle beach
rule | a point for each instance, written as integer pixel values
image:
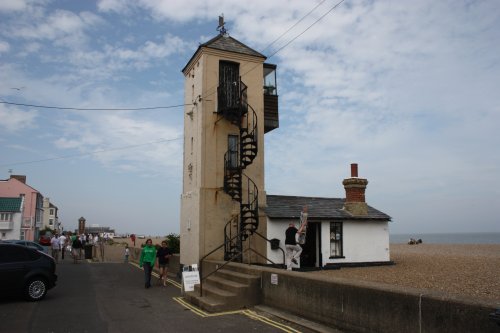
(470, 270)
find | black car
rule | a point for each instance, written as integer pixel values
(26, 270)
(34, 245)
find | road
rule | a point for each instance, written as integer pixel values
(110, 297)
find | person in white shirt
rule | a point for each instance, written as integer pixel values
(62, 245)
(54, 244)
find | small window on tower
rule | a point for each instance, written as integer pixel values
(233, 151)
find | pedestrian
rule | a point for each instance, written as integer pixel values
(77, 248)
(127, 253)
(101, 247)
(54, 244)
(292, 236)
(62, 245)
(163, 254)
(148, 258)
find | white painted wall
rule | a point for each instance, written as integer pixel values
(364, 241)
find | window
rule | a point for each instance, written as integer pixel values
(232, 143)
(51, 211)
(6, 217)
(336, 236)
(270, 79)
(51, 221)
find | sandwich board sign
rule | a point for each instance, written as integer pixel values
(190, 277)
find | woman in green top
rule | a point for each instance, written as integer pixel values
(148, 258)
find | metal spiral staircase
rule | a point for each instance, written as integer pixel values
(236, 184)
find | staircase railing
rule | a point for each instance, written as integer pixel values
(249, 209)
(233, 245)
(240, 254)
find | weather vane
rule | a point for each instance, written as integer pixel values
(221, 29)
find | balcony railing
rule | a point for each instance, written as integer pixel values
(6, 225)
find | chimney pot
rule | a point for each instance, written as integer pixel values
(354, 170)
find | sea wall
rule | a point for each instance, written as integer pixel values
(369, 307)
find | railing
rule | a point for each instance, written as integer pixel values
(232, 248)
(269, 241)
(200, 265)
(249, 211)
(240, 254)
(6, 225)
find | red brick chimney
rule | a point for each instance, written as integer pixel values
(21, 178)
(355, 193)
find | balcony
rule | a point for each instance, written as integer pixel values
(271, 115)
(6, 225)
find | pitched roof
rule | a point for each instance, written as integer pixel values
(10, 204)
(226, 43)
(289, 207)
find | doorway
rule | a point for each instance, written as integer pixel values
(310, 257)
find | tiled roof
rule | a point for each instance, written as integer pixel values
(10, 204)
(289, 207)
(226, 43)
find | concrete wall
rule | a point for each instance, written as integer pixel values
(370, 307)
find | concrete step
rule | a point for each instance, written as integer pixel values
(215, 292)
(206, 303)
(228, 285)
(242, 278)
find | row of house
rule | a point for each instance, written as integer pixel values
(24, 211)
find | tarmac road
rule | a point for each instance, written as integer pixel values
(110, 297)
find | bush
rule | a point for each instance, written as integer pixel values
(174, 242)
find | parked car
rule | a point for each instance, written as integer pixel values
(26, 271)
(28, 243)
(44, 240)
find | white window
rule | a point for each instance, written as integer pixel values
(6, 217)
(51, 211)
(336, 236)
(51, 221)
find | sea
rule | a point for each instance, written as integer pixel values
(449, 238)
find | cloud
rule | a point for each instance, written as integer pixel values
(15, 120)
(4, 47)
(12, 5)
(123, 141)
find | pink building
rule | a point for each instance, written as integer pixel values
(32, 214)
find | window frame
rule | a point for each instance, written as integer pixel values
(336, 240)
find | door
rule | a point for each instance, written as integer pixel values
(310, 250)
(229, 83)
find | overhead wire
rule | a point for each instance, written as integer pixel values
(290, 41)
(94, 109)
(91, 153)
(171, 106)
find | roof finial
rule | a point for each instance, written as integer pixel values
(221, 29)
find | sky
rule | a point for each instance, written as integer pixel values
(409, 90)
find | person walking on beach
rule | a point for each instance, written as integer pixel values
(127, 253)
(147, 260)
(163, 254)
(292, 237)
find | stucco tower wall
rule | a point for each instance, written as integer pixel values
(205, 207)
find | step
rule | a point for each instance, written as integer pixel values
(210, 290)
(238, 277)
(206, 303)
(225, 284)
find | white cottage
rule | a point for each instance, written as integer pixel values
(340, 231)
